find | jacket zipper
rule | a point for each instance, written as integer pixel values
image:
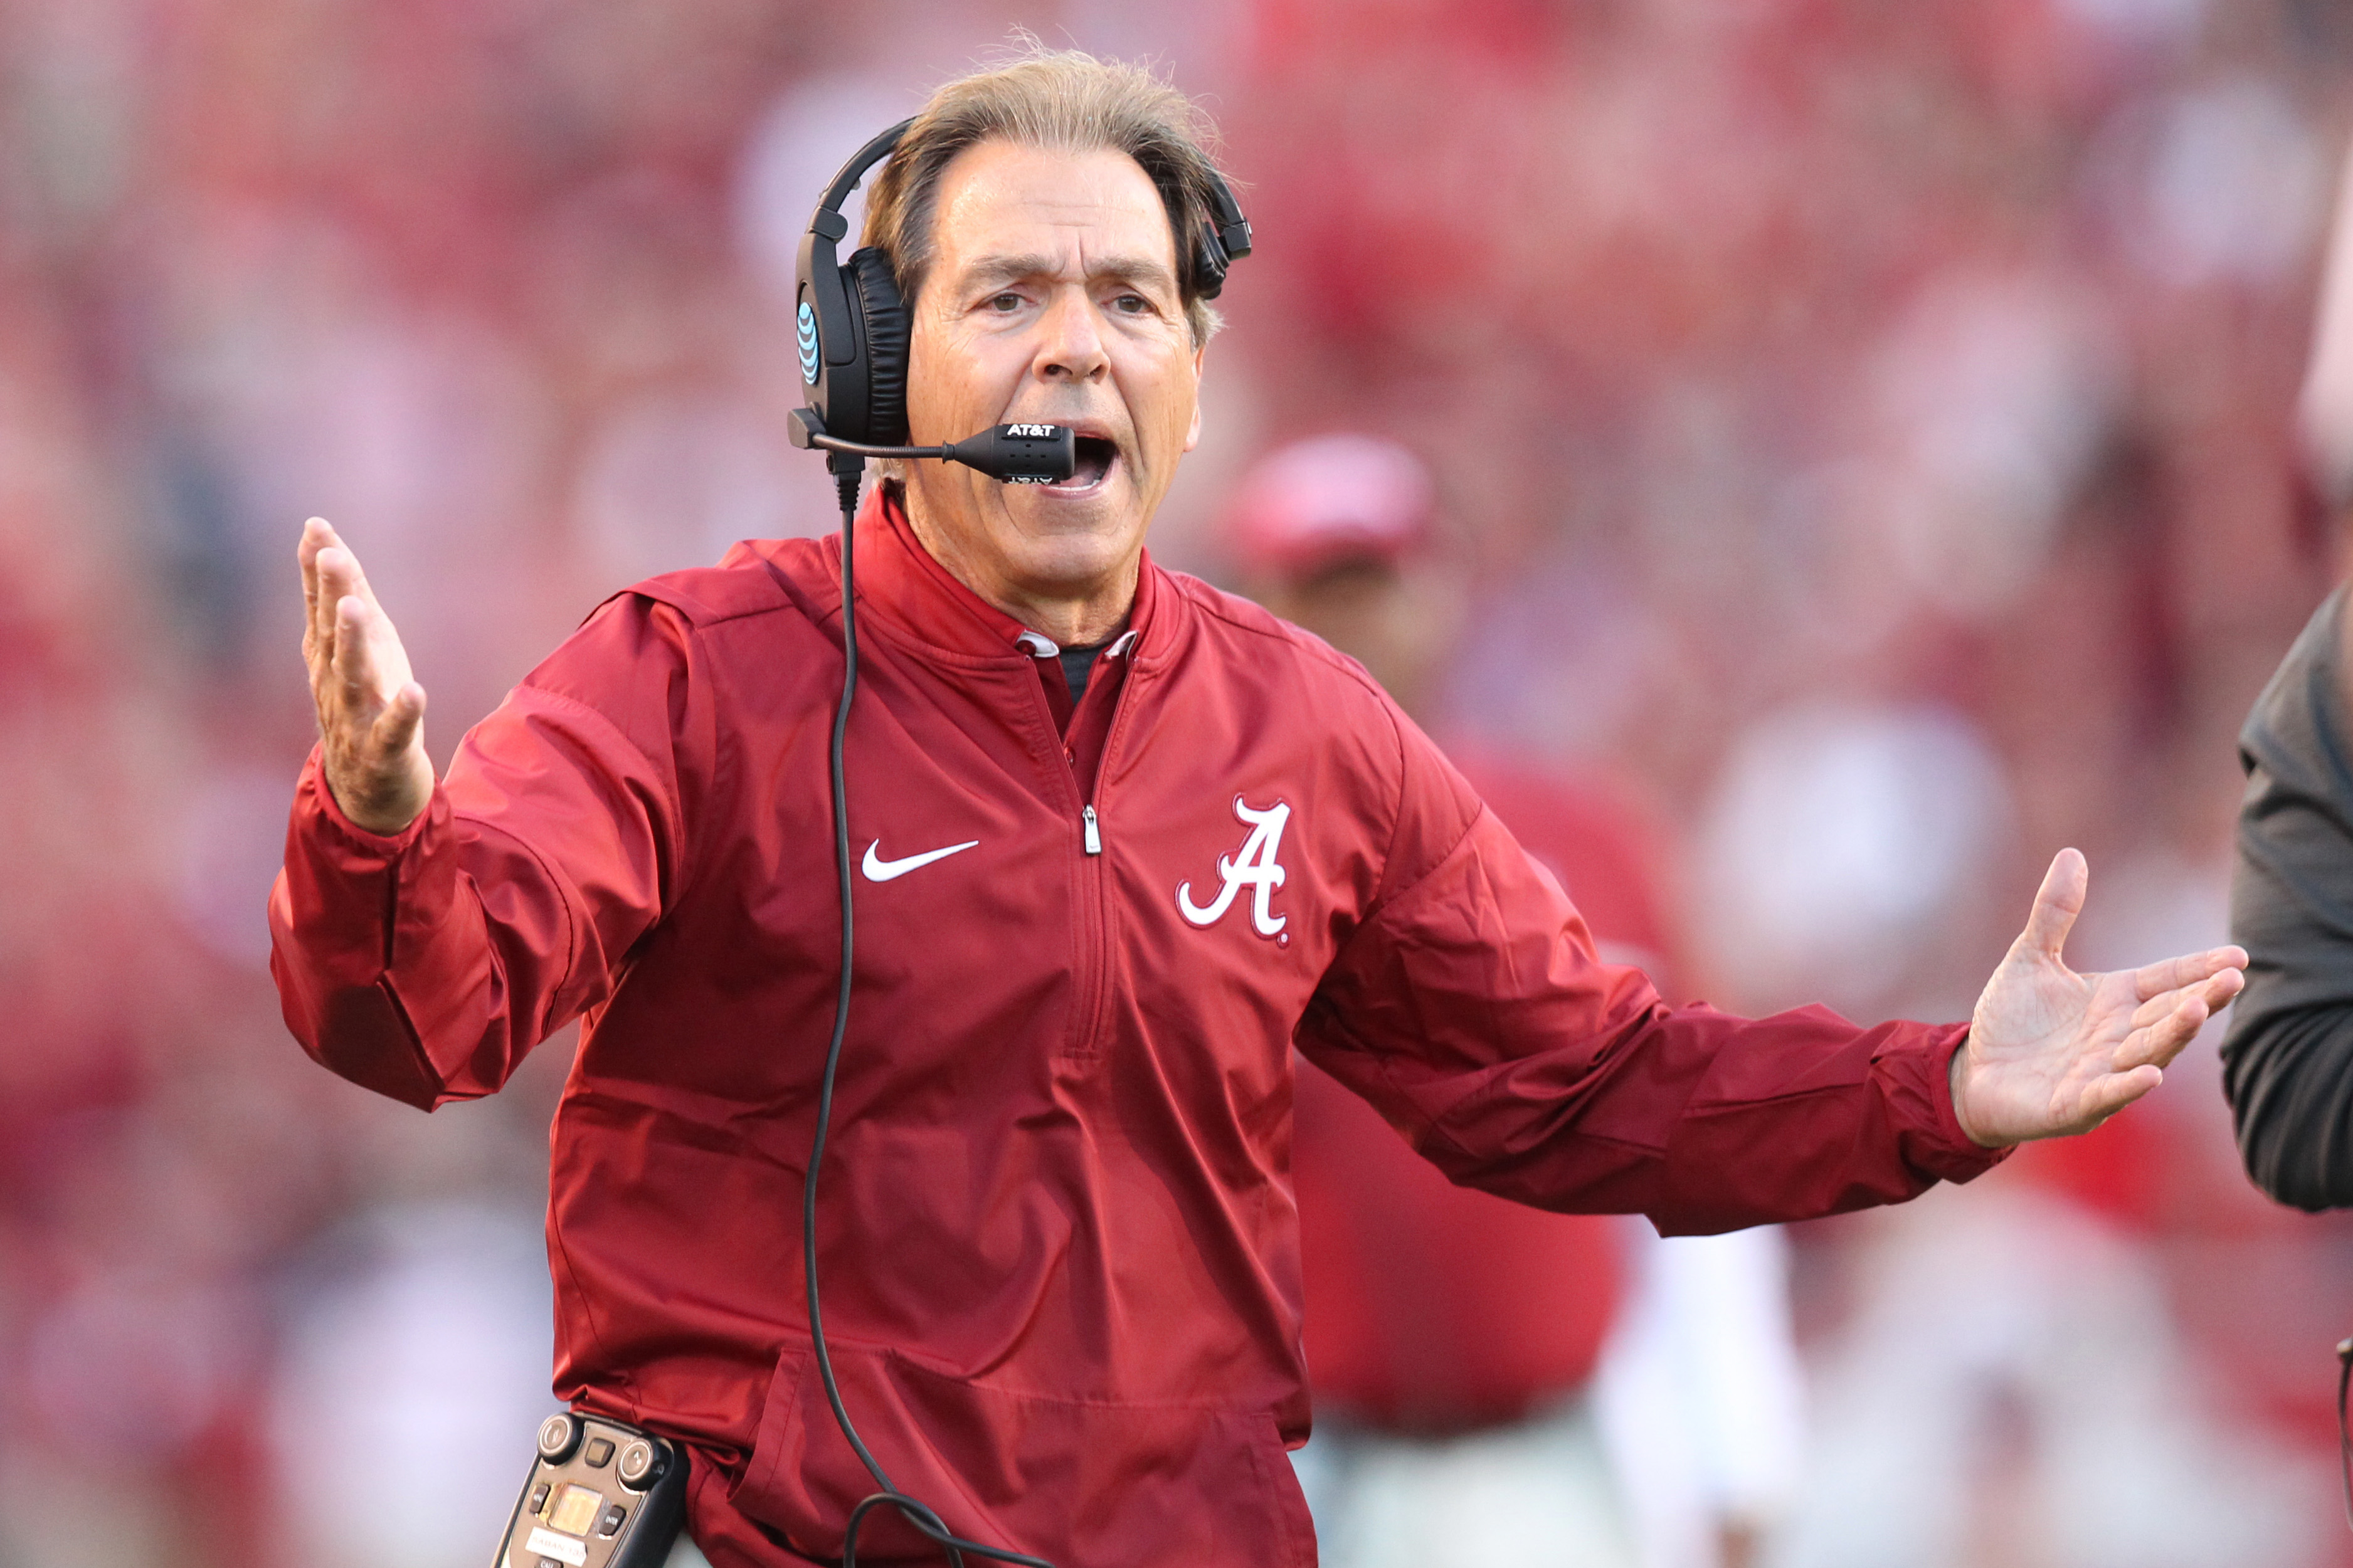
(1089, 1000)
(1093, 919)
(1094, 1016)
(1093, 1002)
(1095, 933)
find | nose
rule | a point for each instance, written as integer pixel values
(1071, 347)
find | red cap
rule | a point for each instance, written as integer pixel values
(1328, 498)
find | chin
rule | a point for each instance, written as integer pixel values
(1073, 559)
(1073, 544)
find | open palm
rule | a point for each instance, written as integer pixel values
(2053, 1052)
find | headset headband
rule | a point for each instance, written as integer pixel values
(847, 319)
(844, 182)
(1226, 238)
(1226, 235)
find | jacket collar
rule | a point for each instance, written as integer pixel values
(902, 583)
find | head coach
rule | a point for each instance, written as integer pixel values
(1123, 841)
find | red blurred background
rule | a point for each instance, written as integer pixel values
(1869, 430)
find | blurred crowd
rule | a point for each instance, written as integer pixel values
(1865, 432)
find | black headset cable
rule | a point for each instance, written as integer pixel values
(847, 469)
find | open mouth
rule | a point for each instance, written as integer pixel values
(1095, 457)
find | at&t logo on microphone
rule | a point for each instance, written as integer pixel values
(808, 336)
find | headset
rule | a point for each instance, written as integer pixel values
(852, 328)
(851, 325)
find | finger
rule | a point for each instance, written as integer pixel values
(2163, 1040)
(318, 603)
(306, 560)
(333, 563)
(2172, 974)
(341, 575)
(2107, 1095)
(2215, 993)
(2155, 1007)
(342, 582)
(354, 657)
(2057, 903)
(396, 727)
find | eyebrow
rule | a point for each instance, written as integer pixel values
(1007, 268)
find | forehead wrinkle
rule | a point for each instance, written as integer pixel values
(1127, 269)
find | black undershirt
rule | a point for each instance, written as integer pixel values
(1078, 663)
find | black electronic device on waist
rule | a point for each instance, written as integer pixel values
(600, 1494)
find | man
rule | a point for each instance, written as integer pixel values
(1453, 1338)
(2287, 1061)
(1099, 901)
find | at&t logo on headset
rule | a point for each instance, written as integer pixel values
(808, 336)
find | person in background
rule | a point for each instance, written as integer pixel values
(2288, 1057)
(1494, 1383)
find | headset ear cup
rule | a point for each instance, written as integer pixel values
(876, 288)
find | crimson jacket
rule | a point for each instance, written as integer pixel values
(1056, 1234)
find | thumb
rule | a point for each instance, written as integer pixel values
(2056, 903)
(395, 728)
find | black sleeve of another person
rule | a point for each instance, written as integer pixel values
(2288, 1057)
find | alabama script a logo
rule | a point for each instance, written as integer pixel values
(1254, 867)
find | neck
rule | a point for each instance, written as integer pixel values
(1073, 615)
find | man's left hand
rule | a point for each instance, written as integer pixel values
(2051, 1052)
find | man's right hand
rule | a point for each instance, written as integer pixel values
(371, 711)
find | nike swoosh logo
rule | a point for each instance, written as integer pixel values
(881, 871)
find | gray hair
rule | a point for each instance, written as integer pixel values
(1059, 99)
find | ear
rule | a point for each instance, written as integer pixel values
(1192, 431)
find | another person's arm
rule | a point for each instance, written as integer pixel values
(426, 936)
(2288, 1059)
(1470, 1008)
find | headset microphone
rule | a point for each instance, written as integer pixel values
(1011, 454)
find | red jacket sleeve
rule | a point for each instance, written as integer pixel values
(426, 964)
(1471, 1011)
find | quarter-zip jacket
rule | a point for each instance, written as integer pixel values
(1056, 1231)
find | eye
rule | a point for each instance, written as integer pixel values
(1131, 304)
(1004, 304)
